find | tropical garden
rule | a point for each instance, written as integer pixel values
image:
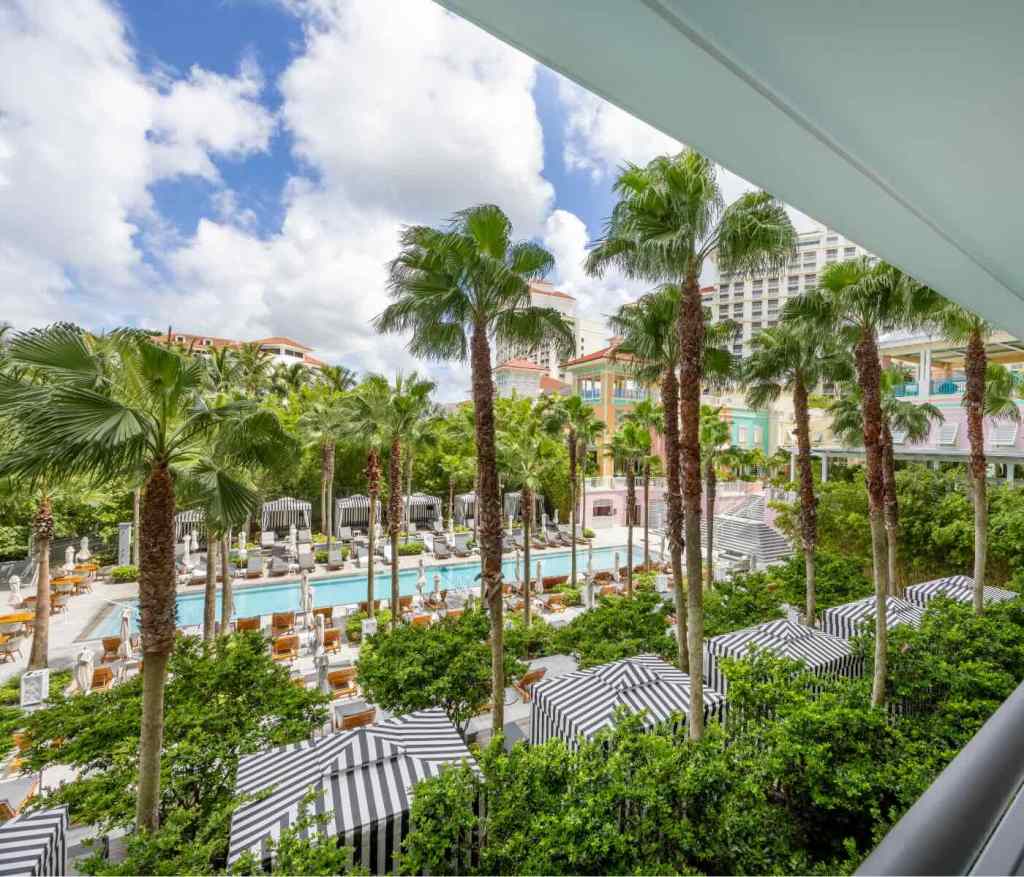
(101, 428)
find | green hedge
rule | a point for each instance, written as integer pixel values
(121, 574)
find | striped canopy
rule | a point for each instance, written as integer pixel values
(959, 588)
(514, 501)
(284, 512)
(187, 521)
(35, 843)
(823, 653)
(354, 511)
(465, 507)
(849, 619)
(424, 508)
(584, 702)
(363, 781)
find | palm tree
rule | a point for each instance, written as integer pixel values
(577, 419)
(253, 364)
(289, 378)
(714, 432)
(455, 289)
(647, 415)
(337, 377)
(588, 433)
(321, 422)
(630, 447)
(223, 370)
(669, 219)
(793, 357)
(526, 455)
(961, 326)
(80, 423)
(854, 302)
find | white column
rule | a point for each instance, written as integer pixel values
(824, 468)
(792, 464)
(1010, 473)
(924, 381)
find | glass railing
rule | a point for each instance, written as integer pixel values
(907, 389)
(948, 387)
(631, 394)
(591, 395)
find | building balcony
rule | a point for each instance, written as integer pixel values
(946, 387)
(629, 394)
(590, 395)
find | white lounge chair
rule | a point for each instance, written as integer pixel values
(278, 566)
(344, 534)
(253, 565)
(461, 546)
(267, 539)
(304, 537)
(306, 560)
(442, 550)
(334, 558)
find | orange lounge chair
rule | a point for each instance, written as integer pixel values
(286, 648)
(608, 591)
(453, 613)
(365, 607)
(343, 682)
(102, 679)
(525, 685)
(556, 603)
(282, 623)
(357, 720)
(248, 624)
(327, 612)
(405, 603)
(110, 646)
(422, 620)
(332, 639)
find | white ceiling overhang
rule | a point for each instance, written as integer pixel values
(898, 122)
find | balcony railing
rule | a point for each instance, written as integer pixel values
(590, 395)
(631, 394)
(936, 388)
(908, 389)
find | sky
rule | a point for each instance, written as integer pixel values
(242, 167)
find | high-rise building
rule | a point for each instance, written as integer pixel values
(756, 302)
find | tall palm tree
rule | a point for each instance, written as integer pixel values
(647, 415)
(80, 423)
(526, 456)
(854, 302)
(576, 418)
(455, 289)
(289, 378)
(222, 369)
(321, 422)
(714, 432)
(630, 447)
(961, 326)
(794, 357)
(669, 219)
(337, 377)
(254, 366)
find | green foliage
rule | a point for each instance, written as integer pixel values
(743, 600)
(410, 549)
(530, 642)
(617, 628)
(128, 573)
(12, 716)
(838, 579)
(447, 664)
(588, 533)
(354, 623)
(573, 594)
(220, 703)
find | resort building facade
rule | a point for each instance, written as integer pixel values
(281, 350)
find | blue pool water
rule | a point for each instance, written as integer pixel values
(349, 589)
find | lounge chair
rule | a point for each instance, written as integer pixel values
(405, 603)
(454, 613)
(559, 535)
(342, 683)
(549, 583)
(102, 679)
(253, 565)
(608, 591)
(299, 681)
(267, 539)
(344, 534)
(111, 644)
(306, 560)
(304, 537)
(556, 603)
(365, 606)
(334, 558)
(252, 623)
(517, 537)
(538, 540)
(327, 612)
(442, 550)
(332, 640)
(282, 623)
(461, 546)
(357, 720)
(278, 566)
(525, 685)
(422, 620)
(285, 648)
(9, 645)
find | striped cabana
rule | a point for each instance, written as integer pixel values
(35, 843)
(363, 781)
(354, 511)
(188, 521)
(959, 588)
(423, 509)
(513, 503)
(282, 513)
(584, 702)
(849, 619)
(465, 507)
(823, 653)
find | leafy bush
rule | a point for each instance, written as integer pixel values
(354, 624)
(743, 600)
(837, 579)
(409, 549)
(321, 557)
(530, 642)
(122, 574)
(617, 628)
(588, 533)
(12, 716)
(573, 595)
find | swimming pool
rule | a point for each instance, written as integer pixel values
(350, 589)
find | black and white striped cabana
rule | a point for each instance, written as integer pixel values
(354, 511)
(35, 843)
(823, 653)
(465, 507)
(513, 506)
(188, 521)
(423, 508)
(363, 781)
(849, 619)
(959, 588)
(584, 702)
(282, 513)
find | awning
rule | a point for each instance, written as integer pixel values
(363, 782)
(822, 653)
(465, 507)
(284, 512)
(35, 843)
(584, 702)
(849, 619)
(959, 588)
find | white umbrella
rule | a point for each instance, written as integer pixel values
(590, 560)
(518, 577)
(292, 533)
(83, 551)
(305, 596)
(421, 581)
(615, 569)
(511, 522)
(295, 543)
(124, 650)
(186, 558)
(540, 575)
(421, 567)
(319, 626)
(437, 583)
(241, 542)
(556, 517)
(544, 521)
(83, 669)
(15, 584)
(69, 557)
(195, 541)
(320, 661)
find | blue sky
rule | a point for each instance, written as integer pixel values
(243, 167)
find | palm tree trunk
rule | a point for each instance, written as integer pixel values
(225, 572)
(647, 515)
(674, 503)
(157, 623)
(869, 378)
(583, 496)
(43, 527)
(808, 501)
(710, 482)
(136, 524)
(974, 397)
(210, 591)
(373, 489)
(527, 497)
(489, 509)
(573, 449)
(394, 519)
(892, 514)
(323, 486)
(330, 493)
(691, 351)
(630, 515)
(408, 494)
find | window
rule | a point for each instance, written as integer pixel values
(810, 279)
(810, 258)
(773, 322)
(773, 286)
(831, 255)
(737, 287)
(757, 435)
(756, 324)
(737, 349)
(737, 309)
(724, 295)
(756, 294)
(723, 287)
(832, 238)
(741, 435)
(849, 252)
(179, 339)
(603, 508)
(812, 243)
(758, 284)
(723, 312)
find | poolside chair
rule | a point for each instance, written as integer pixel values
(342, 683)
(365, 606)
(556, 603)
(525, 684)
(405, 603)
(267, 539)
(549, 583)
(563, 534)
(285, 648)
(442, 550)
(299, 681)
(608, 591)
(252, 623)
(538, 540)
(344, 534)
(357, 720)
(454, 613)
(306, 559)
(508, 544)
(327, 612)
(332, 640)
(111, 644)
(282, 623)
(9, 646)
(253, 565)
(422, 620)
(517, 537)
(102, 679)
(278, 566)
(304, 537)
(461, 546)
(334, 557)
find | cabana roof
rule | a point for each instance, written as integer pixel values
(849, 619)
(959, 588)
(35, 843)
(186, 521)
(285, 511)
